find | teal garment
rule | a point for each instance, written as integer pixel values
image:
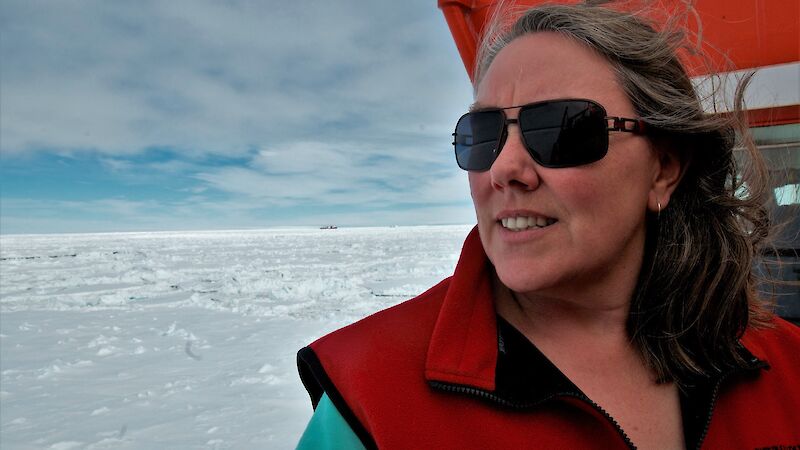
(328, 430)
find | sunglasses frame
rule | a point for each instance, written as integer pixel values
(613, 123)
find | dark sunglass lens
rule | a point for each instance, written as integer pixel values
(476, 139)
(565, 133)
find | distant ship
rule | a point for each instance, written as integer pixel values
(328, 227)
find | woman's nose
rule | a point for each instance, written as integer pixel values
(514, 168)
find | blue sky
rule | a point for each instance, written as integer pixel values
(165, 115)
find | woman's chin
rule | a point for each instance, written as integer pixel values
(526, 281)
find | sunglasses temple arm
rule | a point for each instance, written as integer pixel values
(626, 125)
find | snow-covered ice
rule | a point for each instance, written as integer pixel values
(187, 339)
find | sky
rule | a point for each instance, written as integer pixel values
(185, 115)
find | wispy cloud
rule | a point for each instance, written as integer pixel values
(218, 77)
(341, 174)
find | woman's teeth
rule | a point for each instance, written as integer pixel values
(520, 223)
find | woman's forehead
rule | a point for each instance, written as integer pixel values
(543, 66)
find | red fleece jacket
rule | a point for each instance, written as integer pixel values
(421, 375)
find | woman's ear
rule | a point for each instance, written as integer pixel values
(669, 172)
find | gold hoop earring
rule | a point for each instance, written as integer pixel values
(659, 209)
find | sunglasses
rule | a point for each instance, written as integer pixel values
(556, 133)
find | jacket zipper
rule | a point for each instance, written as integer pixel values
(711, 404)
(503, 402)
(757, 364)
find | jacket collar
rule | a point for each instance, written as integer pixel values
(463, 347)
(473, 347)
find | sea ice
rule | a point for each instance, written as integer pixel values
(163, 340)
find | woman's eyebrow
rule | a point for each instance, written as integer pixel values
(477, 106)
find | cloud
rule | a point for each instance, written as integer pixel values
(341, 174)
(255, 111)
(220, 77)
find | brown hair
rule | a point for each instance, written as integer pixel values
(696, 292)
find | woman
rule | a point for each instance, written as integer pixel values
(606, 298)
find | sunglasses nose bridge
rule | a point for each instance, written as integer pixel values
(513, 167)
(504, 133)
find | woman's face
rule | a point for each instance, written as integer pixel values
(596, 243)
